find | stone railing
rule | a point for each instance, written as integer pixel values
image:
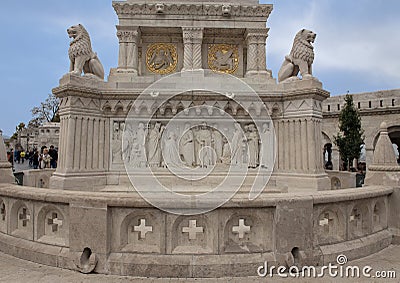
(119, 233)
(342, 179)
(38, 178)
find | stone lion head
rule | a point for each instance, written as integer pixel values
(79, 35)
(306, 35)
(74, 31)
(302, 46)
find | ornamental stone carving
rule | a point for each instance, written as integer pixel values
(300, 58)
(162, 58)
(223, 58)
(81, 55)
(256, 52)
(192, 41)
(122, 8)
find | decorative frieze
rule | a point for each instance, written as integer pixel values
(193, 9)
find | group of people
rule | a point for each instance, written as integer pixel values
(38, 158)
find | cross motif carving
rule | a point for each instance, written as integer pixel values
(192, 229)
(355, 217)
(24, 216)
(55, 222)
(326, 222)
(3, 211)
(242, 229)
(376, 215)
(142, 229)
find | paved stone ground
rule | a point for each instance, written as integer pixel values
(16, 270)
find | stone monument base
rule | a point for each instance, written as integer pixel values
(94, 181)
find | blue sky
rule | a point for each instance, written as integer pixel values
(357, 47)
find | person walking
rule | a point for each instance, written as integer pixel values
(22, 155)
(54, 157)
(35, 160)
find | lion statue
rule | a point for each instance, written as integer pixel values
(81, 54)
(301, 57)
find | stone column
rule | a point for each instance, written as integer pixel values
(192, 42)
(128, 49)
(256, 52)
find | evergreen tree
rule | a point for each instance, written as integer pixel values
(351, 135)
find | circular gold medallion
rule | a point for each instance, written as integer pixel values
(161, 58)
(223, 58)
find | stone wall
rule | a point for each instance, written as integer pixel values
(121, 234)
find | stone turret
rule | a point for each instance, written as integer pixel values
(6, 175)
(384, 169)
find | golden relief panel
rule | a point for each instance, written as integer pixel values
(223, 58)
(161, 58)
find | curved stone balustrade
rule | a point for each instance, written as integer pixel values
(119, 233)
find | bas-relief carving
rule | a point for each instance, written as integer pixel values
(82, 58)
(162, 58)
(154, 145)
(223, 58)
(300, 58)
(116, 143)
(186, 146)
(195, 146)
(267, 135)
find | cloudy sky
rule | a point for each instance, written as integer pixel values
(357, 48)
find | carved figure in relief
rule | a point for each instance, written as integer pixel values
(116, 146)
(154, 144)
(300, 58)
(226, 153)
(223, 58)
(137, 155)
(186, 146)
(204, 140)
(81, 55)
(218, 142)
(267, 147)
(170, 152)
(161, 60)
(237, 145)
(253, 146)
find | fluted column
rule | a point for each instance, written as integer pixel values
(128, 49)
(192, 42)
(256, 52)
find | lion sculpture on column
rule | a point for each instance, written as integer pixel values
(300, 58)
(81, 54)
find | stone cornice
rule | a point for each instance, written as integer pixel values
(256, 35)
(124, 8)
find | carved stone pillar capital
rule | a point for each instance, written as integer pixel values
(192, 35)
(256, 53)
(127, 36)
(256, 36)
(128, 49)
(192, 42)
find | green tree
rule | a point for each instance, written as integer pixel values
(46, 112)
(351, 135)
